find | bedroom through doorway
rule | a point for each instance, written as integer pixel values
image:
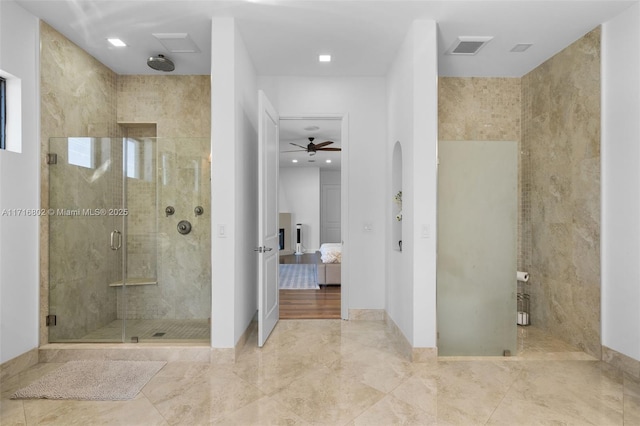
(310, 219)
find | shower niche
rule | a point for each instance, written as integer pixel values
(119, 270)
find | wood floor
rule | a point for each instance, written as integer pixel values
(310, 304)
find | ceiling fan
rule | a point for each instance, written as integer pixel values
(312, 148)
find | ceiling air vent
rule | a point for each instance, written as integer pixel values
(177, 42)
(468, 45)
(521, 47)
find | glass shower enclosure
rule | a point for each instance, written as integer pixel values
(477, 248)
(129, 239)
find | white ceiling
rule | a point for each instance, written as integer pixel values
(284, 37)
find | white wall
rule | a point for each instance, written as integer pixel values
(400, 112)
(425, 178)
(300, 196)
(246, 143)
(413, 117)
(364, 100)
(19, 189)
(620, 245)
(234, 109)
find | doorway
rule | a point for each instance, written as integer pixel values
(311, 206)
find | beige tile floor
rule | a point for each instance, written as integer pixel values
(349, 373)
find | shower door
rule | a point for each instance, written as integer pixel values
(477, 244)
(87, 245)
(129, 239)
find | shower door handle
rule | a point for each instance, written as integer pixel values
(116, 240)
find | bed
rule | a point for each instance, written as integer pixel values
(329, 264)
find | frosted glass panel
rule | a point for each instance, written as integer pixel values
(477, 245)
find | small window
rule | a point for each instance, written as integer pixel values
(139, 156)
(10, 112)
(133, 161)
(82, 152)
(3, 113)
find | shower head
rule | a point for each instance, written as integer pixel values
(160, 63)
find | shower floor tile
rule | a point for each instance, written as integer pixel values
(534, 343)
(153, 330)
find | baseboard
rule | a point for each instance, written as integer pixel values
(252, 329)
(18, 364)
(366, 314)
(416, 355)
(621, 361)
(424, 354)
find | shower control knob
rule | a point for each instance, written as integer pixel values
(169, 210)
(184, 227)
(198, 210)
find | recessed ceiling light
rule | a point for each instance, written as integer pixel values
(324, 58)
(116, 42)
(521, 47)
(328, 160)
(294, 161)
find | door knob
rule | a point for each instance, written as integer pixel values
(262, 249)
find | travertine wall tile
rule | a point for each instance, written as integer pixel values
(179, 105)
(179, 108)
(478, 108)
(561, 135)
(78, 98)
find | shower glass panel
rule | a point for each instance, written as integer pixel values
(477, 245)
(86, 237)
(120, 270)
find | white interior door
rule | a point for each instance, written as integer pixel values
(330, 226)
(268, 299)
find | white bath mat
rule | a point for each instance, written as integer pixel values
(93, 380)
